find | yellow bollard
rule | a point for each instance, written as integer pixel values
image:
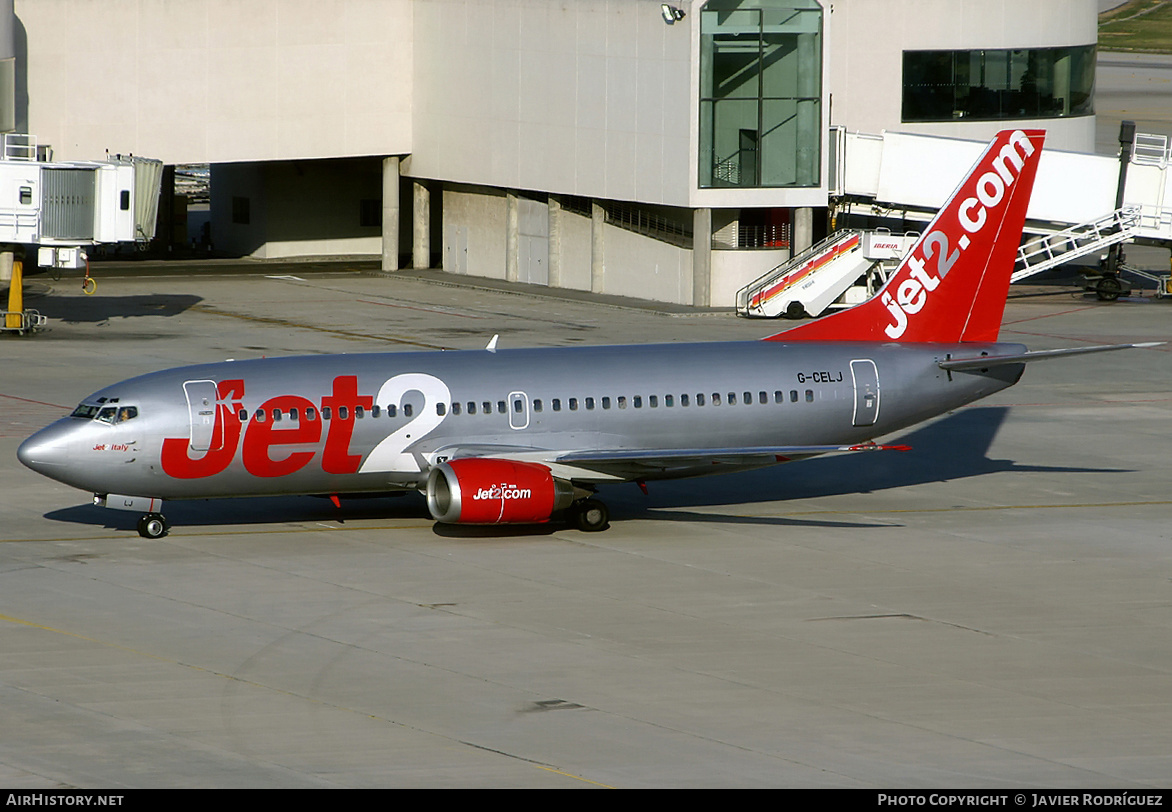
(13, 320)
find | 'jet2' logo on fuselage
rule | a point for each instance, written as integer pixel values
(913, 290)
(272, 448)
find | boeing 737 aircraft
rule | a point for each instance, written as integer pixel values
(526, 435)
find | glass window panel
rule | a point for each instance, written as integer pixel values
(998, 84)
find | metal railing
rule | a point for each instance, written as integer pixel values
(742, 236)
(1150, 149)
(19, 147)
(1055, 249)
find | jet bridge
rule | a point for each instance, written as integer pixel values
(59, 208)
(1079, 207)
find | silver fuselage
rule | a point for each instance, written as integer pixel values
(378, 422)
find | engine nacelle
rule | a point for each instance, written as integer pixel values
(487, 491)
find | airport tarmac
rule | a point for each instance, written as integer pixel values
(991, 609)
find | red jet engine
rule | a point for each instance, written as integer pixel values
(489, 491)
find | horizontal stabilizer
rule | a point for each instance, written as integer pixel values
(986, 361)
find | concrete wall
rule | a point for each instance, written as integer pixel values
(575, 251)
(476, 239)
(216, 80)
(867, 38)
(584, 97)
(645, 268)
(474, 231)
(732, 270)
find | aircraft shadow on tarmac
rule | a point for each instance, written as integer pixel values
(92, 309)
(955, 447)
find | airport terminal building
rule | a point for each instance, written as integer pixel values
(668, 151)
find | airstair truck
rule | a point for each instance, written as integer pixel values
(846, 268)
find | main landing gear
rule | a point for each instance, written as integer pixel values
(153, 526)
(589, 515)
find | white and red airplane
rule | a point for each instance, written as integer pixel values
(521, 436)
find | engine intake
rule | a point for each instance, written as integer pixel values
(490, 491)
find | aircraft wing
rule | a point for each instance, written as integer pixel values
(631, 463)
(986, 361)
(625, 463)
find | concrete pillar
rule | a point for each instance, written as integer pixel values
(554, 209)
(803, 230)
(391, 213)
(420, 226)
(702, 257)
(512, 238)
(597, 247)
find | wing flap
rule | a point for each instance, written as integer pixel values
(688, 457)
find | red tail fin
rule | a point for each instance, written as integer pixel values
(952, 285)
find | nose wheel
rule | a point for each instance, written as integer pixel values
(153, 526)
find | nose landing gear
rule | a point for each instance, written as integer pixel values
(153, 526)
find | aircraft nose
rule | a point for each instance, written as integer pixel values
(46, 451)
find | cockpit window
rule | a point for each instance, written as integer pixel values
(105, 414)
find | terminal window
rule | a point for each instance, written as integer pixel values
(990, 85)
(760, 93)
